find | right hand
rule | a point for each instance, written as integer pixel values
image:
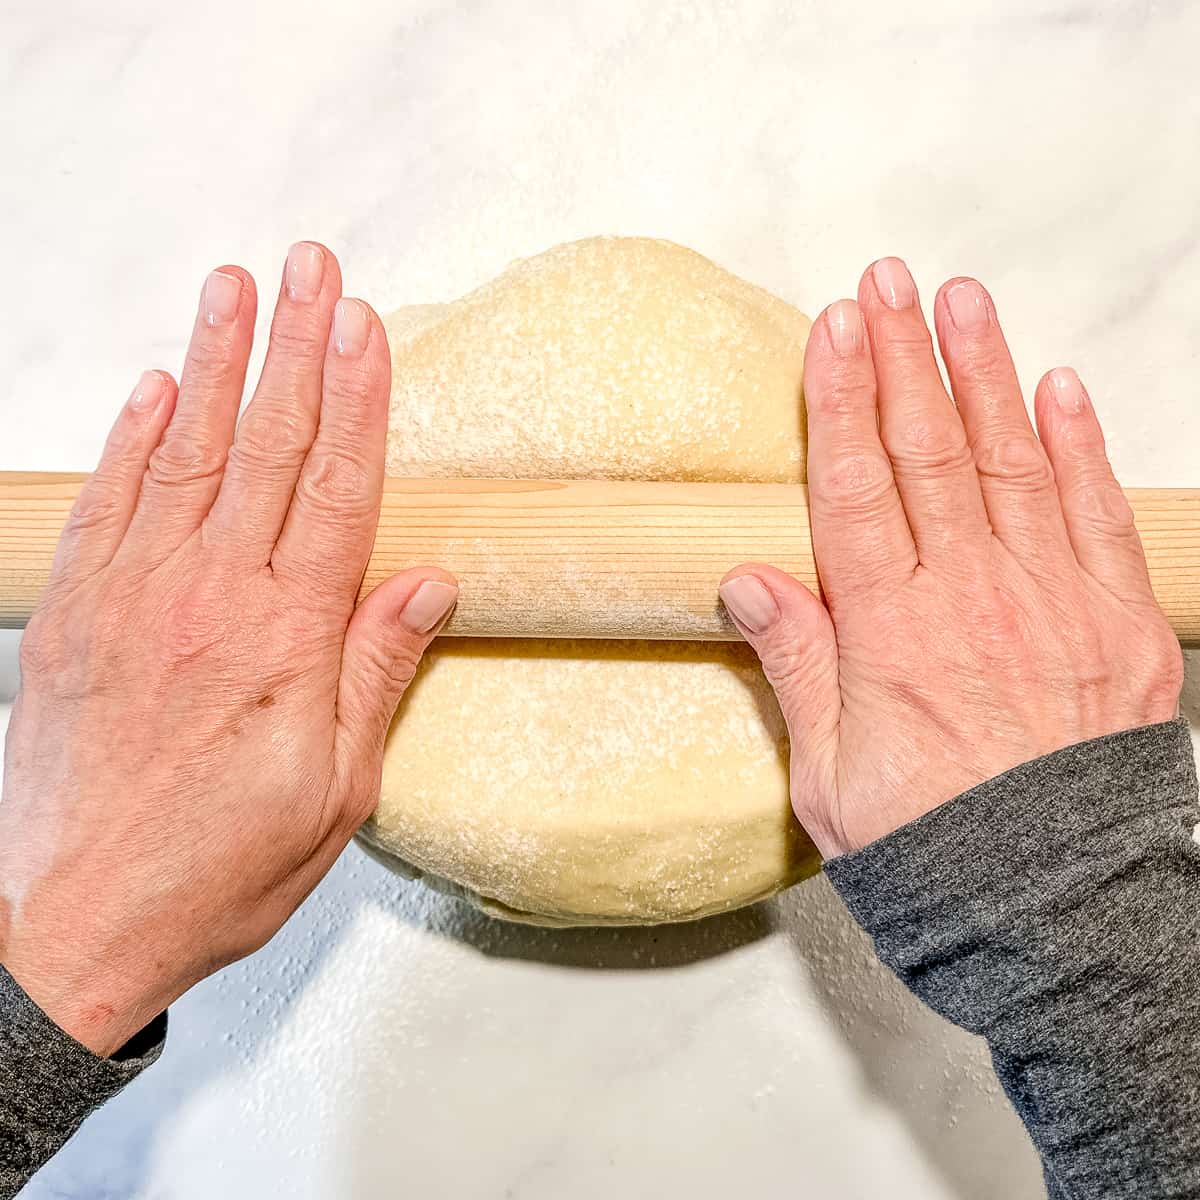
(986, 595)
(202, 712)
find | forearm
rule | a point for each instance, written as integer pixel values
(1055, 910)
(49, 1083)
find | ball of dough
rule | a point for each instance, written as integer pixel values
(595, 782)
(610, 358)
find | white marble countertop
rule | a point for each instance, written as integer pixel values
(389, 1041)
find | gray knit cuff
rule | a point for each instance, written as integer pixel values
(1048, 824)
(50, 1083)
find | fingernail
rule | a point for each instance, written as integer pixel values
(351, 328)
(428, 605)
(148, 392)
(749, 602)
(222, 294)
(968, 307)
(845, 327)
(302, 275)
(1067, 390)
(894, 284)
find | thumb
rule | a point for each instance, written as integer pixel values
(383, 646)
(793, 635)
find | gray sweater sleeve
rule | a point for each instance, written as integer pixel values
(49, 1083)
(1055, 910)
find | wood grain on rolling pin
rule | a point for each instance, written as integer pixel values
(587, 559)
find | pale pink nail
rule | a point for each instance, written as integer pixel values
(894, 284)
(222, 294)
(968, 307)
(148, 392)
(351, 328)
(428, 605)
(749, 602)
(302, 275)
(845, 327)
(1067, 390)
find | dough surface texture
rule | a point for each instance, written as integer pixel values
(595, 782)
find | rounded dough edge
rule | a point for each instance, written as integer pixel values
(662, 314)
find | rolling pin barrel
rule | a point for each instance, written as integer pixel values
(586, 558)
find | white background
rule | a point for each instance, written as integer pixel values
(389, 1042)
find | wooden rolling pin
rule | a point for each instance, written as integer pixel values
(586, 559)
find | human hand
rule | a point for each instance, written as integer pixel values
(202, 713)
(986, 595)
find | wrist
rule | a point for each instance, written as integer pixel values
(100, 1005)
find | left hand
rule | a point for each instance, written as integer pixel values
(202, 711)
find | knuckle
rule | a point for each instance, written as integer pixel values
(857, 483)
(98, 507)
(349, 385)
(997, 630)
(211, 357)
(270, 441)
(903, 340)
(334, 479)
(930, 449)
(1098, 503)
(846, 388)
(397, 665)
(987, 364)
(1104, 507)
(183, 459)
(296, 339)
(789, 669)
(191, 624)
(1015, 461)
(122, 442)
(1081, 446)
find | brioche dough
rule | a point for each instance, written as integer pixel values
(595, 782)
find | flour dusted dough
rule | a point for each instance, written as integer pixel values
(596, 782)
